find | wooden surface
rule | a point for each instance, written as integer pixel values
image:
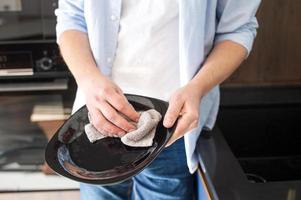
(63, 195)
(276, 56)
(49, 128)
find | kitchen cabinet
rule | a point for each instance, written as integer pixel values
(276, 55)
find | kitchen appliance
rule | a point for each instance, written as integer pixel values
(107, 161)
(263, 132)
(254, 150)
(33, 80)
(27, 40)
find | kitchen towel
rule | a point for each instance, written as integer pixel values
(141, 137)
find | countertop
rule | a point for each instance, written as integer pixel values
(227, 181)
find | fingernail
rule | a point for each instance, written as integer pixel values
(138, 117)
(133, 126)
(132, 129)
(122, 133)
(167, 123)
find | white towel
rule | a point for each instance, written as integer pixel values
(141, 137)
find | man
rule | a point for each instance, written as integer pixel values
(175, 50)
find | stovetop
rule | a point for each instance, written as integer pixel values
(254, 150)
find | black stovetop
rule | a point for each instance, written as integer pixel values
(254, 151)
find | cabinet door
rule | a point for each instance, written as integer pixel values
(276, 56)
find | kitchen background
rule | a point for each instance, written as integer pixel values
(36, 93)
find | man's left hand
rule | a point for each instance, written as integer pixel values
(183, 105)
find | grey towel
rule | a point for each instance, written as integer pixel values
(141, 137)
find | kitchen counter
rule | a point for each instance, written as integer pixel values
(227, 181)
(219, 152)
(44, 195)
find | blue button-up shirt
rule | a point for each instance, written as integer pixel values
(202, 24)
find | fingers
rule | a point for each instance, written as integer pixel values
(121, 104)
(110, 114)
(173, 112)
(109, 109)
(182, 125)
(186, 123)
(103, 125)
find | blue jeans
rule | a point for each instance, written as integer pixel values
(166, 178)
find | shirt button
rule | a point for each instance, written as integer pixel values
(109, 60)
(113, 17)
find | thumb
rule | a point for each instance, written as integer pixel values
(172, 113)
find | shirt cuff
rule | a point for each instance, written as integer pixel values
(245, 39)
(67, 24)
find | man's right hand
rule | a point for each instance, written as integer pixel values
(106, 104)
(105, 100)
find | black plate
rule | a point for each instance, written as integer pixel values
(107, 161)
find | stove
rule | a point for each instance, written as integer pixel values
(254, 150)
(266, 140)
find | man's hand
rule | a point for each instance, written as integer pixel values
(224, 58)
(105, 101)
(184, 106)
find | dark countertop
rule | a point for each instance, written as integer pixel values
(226, 179)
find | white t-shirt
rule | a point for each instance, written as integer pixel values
(147, 56)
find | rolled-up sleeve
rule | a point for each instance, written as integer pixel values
(70, 16)
(236, 22)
